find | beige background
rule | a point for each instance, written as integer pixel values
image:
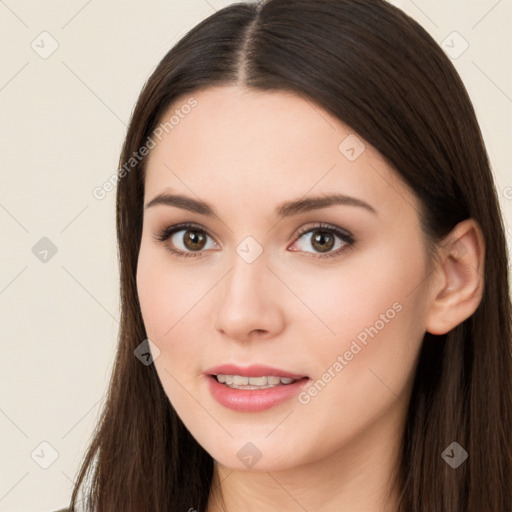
(63, 119)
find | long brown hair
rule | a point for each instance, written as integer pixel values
(378, 71)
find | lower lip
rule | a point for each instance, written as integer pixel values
(253, 400)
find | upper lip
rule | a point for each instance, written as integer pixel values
(254, 370)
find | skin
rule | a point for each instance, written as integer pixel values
(244, 152)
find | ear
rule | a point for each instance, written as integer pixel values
(457, 287)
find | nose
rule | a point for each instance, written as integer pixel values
(248, 305)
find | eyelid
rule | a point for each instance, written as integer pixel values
(345, 235)
(164, 234)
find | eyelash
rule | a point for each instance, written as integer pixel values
(345, 236)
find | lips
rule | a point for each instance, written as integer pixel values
(240, 397)
(252, 371)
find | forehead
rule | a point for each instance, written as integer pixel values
(249, 147)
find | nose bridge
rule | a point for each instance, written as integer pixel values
(246, 282)
(247, 299)
(248, 263)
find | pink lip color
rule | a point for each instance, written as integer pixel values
(255, 370)
(252, 400)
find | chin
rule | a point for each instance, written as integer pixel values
(241, 454)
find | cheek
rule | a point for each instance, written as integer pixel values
(368, 316)
(367, 288)
(153, 294)
(374, 308)
(162, 290)
(156, 295)
(170, 303)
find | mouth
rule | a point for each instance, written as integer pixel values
(244, 382)
(254, 388)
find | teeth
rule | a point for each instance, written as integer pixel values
(256, 381)
(241, 382)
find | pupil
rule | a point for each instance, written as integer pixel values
(323, 240)
(195, 240)
(320, 239)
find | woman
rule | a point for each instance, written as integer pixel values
(315, 308)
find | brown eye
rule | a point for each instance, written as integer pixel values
(325, 240)
(188, 240)
(193, 240)
(185, 240)
(322, 241)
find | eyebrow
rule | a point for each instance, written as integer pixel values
(286, 209)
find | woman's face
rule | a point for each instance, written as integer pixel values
(332, 296)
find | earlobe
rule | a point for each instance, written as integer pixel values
(459, 278)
